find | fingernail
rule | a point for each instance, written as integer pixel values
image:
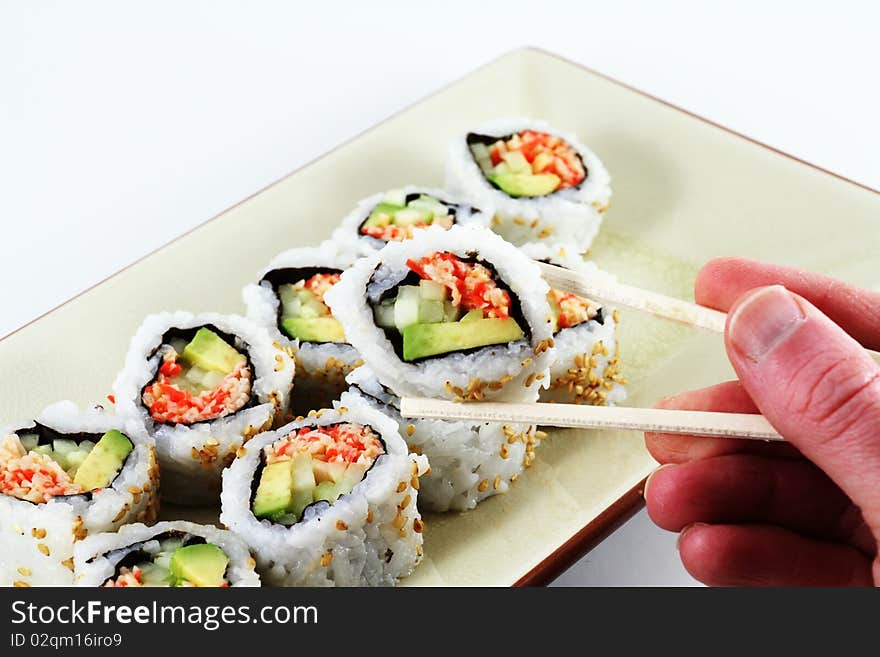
(650, 476)
(686, 530)
(764, 321)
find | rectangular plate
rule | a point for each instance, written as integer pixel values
(684, 191)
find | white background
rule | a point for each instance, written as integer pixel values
(124, 124)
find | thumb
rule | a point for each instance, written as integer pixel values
(815, 384)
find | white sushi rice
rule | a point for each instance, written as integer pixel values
(587, 369)
(96, 558)
(498, 372)
(192, 456)
(38, 539)
(348, 235)
(587, 365)
(321, 367)
(470, 461)
(370, 537)
(573, 214)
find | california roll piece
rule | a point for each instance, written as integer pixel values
(328, 500)
(587, 366)
(396, 215)
(63, 477)
(457, 314)
(288, 300)
(203, 385)
(168, 554)
(469, 461)
(543, 185)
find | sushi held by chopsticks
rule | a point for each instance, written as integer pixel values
(449, 313)
(452, 314)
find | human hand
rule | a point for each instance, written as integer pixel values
(802, 513)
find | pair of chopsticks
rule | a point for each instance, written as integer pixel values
(695, 423)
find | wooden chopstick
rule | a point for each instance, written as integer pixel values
(567, 280)
(694, 423)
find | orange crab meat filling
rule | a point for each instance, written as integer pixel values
(345, 443)
(470, 284)
(173, 398)
(319, 284)
(32, 476)
(570, 309)
(546, 153)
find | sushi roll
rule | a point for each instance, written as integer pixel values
(63, 477)
(395, 215)
(288, 301)
(457, 314)
(203, 385)
(175, 553)
(470, 461)
(328, 500)
(544, 185)
(587, 366)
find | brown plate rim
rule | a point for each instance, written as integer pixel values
(586, 538)
(630, 502)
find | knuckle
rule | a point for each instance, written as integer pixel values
(832, 393)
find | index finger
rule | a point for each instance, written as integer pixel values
(857, 311)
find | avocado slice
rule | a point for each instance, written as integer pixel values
(275, 492)
(422, 340)
(525, 184)
(211, 352)
(383, 214)
(104, 461)
(202, 564)
(314, 329)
